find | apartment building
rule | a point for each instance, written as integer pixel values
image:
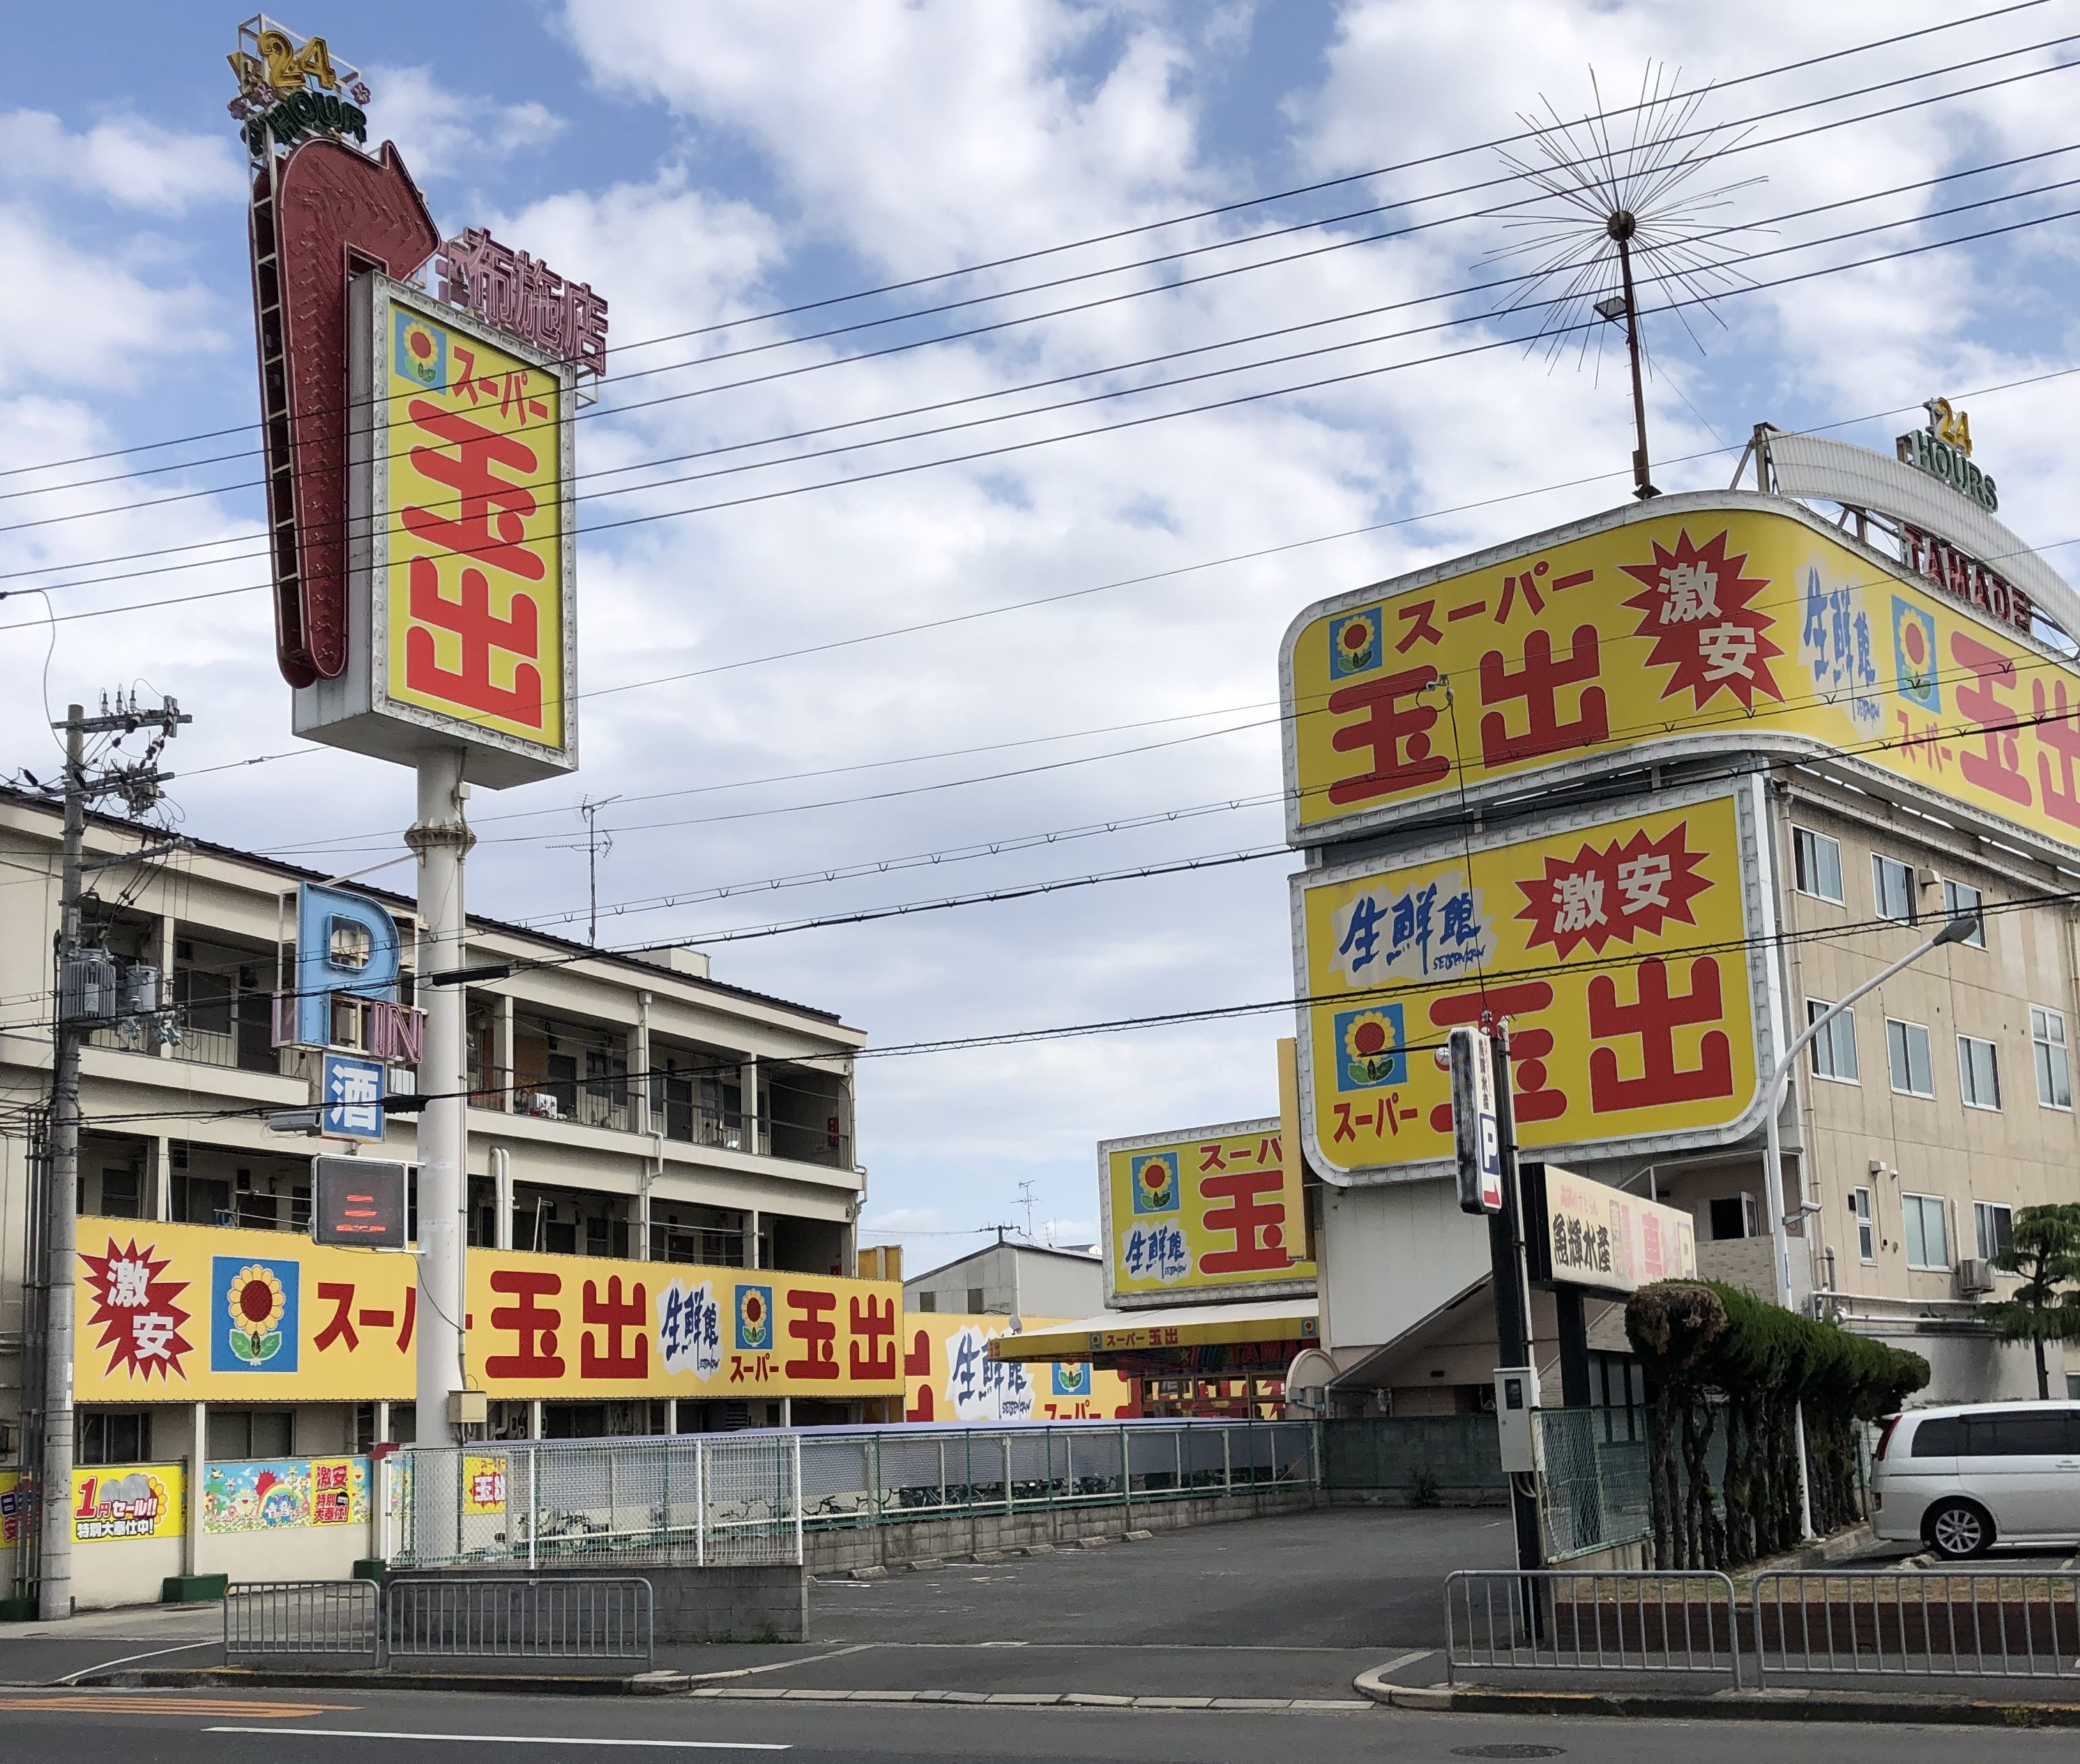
(626, 1107)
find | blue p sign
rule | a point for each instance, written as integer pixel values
(345, 942)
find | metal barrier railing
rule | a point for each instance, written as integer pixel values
(1940, 1623)
(332, 1619)
(1557, 1619)
(748, 1497)
(512, 1617)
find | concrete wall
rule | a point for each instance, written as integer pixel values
(763, 1602)
(1390, 1255)
(123, 1570)
(1010, 1277)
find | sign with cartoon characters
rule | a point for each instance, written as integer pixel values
(187, 1313)
(1628, 953)
(1727, 622)
(125, 1504)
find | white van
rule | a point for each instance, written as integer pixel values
(1961, 1480)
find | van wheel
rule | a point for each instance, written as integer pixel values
(1958, 1529)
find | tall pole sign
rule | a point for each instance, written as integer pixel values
(1476, 1122)
(419, 467)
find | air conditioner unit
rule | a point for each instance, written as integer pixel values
(1974, 1276)
(542, 1103)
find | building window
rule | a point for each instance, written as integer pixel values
(1866, 1233)
(928, 1301)
(1979, 1072)
(1834, 1047)
(1892, 888)
(1994, 1226)
(2054, 1071)
(1906, 1053)
(1816, 859)
(975, 1301)
(237, 1435)
(1732, 1216)
(1961, 900)
(1927, 1232)
(114, 1436)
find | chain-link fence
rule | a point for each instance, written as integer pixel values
(1592, 1485)
(747, 1498)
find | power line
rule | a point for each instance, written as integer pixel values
(1213, 212)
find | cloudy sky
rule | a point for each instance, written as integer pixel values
(705, 165)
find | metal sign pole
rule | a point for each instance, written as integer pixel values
(442, 839)
(1513, 1326)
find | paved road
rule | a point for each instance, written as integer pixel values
(112, 1728)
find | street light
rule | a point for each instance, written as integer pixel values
(1954, 930)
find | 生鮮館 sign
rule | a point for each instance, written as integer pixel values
(186, 1313)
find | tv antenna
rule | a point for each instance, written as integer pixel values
(1624, 205)
(595, 845)
(1025, 1200)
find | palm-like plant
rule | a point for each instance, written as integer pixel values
(2044, 1249)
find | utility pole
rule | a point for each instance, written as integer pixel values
(84, 996)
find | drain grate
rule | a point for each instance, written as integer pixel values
(1509, 1751)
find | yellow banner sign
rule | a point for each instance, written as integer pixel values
(129, 1502)
(182, 1313)
(1597, 1235)
(1614, 948)
(483, 1482)
(948, 1376)
(1728, 622)
(474, 547)
(1215, 1209)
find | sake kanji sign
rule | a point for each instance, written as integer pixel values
(1620, 950)
(1721, 623)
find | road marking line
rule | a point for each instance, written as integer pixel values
(518, 1739)
(1404, 1659)
(782, 1666)
(87, 1702)
(109, 1666)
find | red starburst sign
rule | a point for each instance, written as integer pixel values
(137, 1310)
(1699, 609)
(1613, 893)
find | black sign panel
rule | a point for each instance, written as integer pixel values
(358, 1202)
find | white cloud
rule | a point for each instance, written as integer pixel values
(445, 133)
(123, 160)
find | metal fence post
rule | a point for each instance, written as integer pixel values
(1125, 1479)
(1010, 1500)
(1177, 1439)
(796, 1439)
(1068, 1467)
(700, 1503)
(1228, 1461)
(534, 1504)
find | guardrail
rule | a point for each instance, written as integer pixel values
(308, 1618)
(509, 1617)
(1940, 1623)
(483, 1617)
(708, 1499)
(1564, 1620)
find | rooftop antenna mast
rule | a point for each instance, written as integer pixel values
(1625, 213)
(1025, 1200)
(595, 845)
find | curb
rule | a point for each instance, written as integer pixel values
(498, 1684)
(1728, 1705)
(1040, 1700)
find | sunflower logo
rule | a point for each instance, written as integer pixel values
(1155, 1182)
(1369, 1045)
(1354, 644)
(420, 352)
(255, 1304)
(754, 1318)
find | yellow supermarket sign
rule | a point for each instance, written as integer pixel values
(130, 1503)
(948, 1375)
(1617, 947)
(1726, 622)
(187, 1313)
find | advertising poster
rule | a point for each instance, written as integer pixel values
(125, 1503)
(1616, 948)
(187, 1313)
(1733, 627)
(270, 1495)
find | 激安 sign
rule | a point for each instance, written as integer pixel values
(1626, 953)
(1730, 622)
(189, 1314)
(462, 572)
(1215, 1210)
(1597, 1235)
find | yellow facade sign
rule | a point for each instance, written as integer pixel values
(188, 1313)
(474, 550)
(1216, 1209)
(483, 1482)
(948, 1376)
(130, 1502)
(1614, 948)
(1724, 622)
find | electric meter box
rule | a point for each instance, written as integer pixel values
(1516, 1400)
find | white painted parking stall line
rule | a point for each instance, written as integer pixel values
(515, 1739)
